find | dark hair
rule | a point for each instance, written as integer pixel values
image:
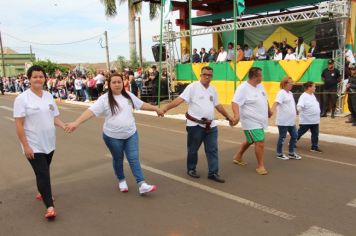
(308, 84)
(231, 44)
(112, 102)
(300, 40)
(206, 68)
(35, 68)
(253, 72)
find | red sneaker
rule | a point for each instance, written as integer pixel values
(50, 214)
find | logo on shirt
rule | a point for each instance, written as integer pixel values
(51, 107)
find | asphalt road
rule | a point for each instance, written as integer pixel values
(314, 196)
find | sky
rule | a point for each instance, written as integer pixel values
(62, 21)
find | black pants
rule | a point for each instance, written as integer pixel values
(40, 166)
(351, 101)
(100, 88)
(314, 129)
(329, 99)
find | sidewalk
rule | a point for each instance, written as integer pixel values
(331, 130)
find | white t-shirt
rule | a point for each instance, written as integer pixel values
(201, 102)
(122, 124)
(278, 56)
(222, 56)
(290, 57)
(78, 84)
(253, 106)
(100, 79)
(286, 110)
(39, 114)
(309, 109)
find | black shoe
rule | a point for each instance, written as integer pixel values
(216, 178)
(316, 150)
(333, 116)
(194, 174)
(323, 115)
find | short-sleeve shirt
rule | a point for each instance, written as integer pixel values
(309, 109)
(122, 124)
(253, 106)
(201, 102)
(331, 78)
(39, 114)
(286, 110)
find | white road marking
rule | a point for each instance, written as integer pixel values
(317, 231)
(240, 200)
(63, 108)
(6, 108)
(352, 203)
(9, 118)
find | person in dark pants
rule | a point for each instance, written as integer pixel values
(309, 115)
(154, 77)
(351, 89)
(331, 77)
(36, 115)
(202, 100)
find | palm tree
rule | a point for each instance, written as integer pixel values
(134, 7)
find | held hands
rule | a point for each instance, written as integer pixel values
(233, 120)
(160, 112)
(70, 127)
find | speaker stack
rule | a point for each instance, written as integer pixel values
(326, 36)
(155, 51)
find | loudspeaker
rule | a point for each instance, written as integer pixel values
(326, 36)
(155, 51)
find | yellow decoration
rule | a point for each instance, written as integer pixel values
(294, 68)
(197, 68)
(242, 68)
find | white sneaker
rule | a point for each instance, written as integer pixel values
(294, 156)
(123, 186)
(146, 188)
(282, 157)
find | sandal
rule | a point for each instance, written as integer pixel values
(239, 162)
(261, 171)
(50, 214)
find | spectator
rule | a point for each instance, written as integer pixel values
(92, 88)
(239, 53)
(100, 81)
(185, 56)
(248, 53)
(349, 56)
(222, 55)
(284, 46)
(290, 54)
(277, 55)
(230, 52)
(204, 56)
(261, 52)
(195, 56)
(351, 89)
(299, 50)
(154, 77)
(78, 89)
(133, 86)
(272, 50)
(212, 55)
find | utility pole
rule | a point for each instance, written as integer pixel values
(107, 51)
(32, 59)
(140, 41)
(2, 58)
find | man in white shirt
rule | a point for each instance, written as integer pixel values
(100, 81)
(230, 52)
(250, 104)
(202, 99)
(248, 53)
(309, 115)
(222, 55)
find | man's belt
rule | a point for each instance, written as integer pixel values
(202, 121)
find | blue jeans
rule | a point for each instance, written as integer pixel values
(128, 146)
(197, 135)
(292, 130)
(314, 129)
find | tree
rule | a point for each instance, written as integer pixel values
(134, 7)
(50, 67)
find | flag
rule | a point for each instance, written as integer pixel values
(240, 7)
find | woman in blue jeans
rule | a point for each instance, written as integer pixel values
(286, 119)
(119, 129)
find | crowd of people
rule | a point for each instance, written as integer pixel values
(277, 51)
(85, 87)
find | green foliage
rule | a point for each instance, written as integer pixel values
(121, 63)
(134, 62)
(50, 67)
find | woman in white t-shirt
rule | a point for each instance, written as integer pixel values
(119, 129)
(309, 115)
(36, 115)
(286, 119)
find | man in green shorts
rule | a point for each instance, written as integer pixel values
(250, 105)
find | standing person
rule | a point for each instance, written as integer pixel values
(119, 129)
(286, 119)
(204, 56)
(100, 81)
(222, 56)
(36, 115)
(202, 99)
(331, 77)
(154, 77)
(195, 56)
(283, 47)
(261, 52)
(230, 52)
(250, 104)
(309, 115)
(78, 88)
(299, 50)
(351, 89)
(212, 55)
